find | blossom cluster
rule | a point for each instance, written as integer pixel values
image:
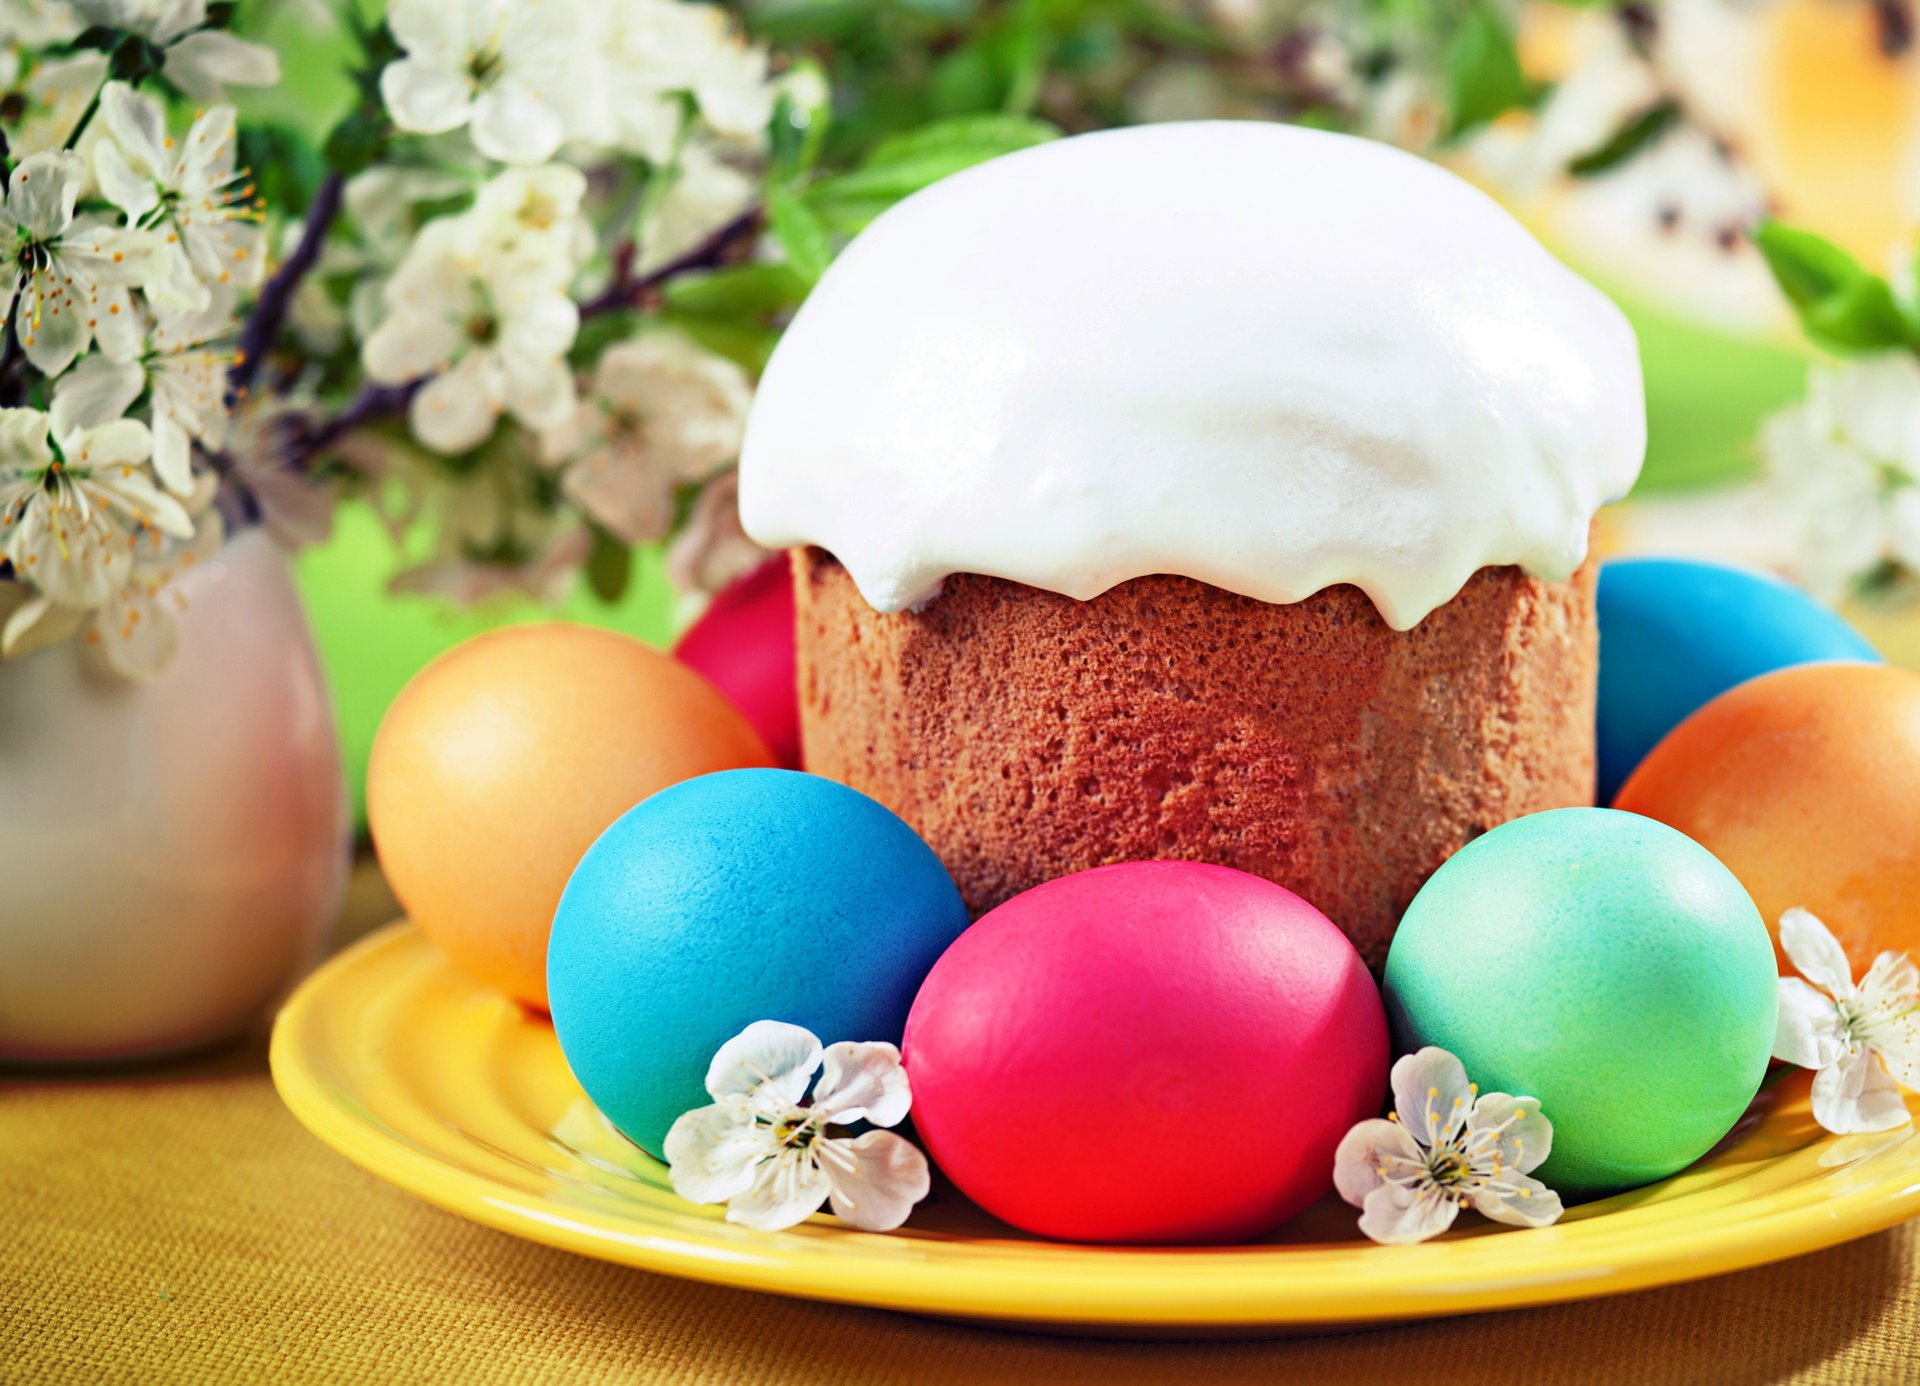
(533, 165)
(127, 242)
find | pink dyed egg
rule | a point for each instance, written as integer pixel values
(1148, 1052)
(743, 643)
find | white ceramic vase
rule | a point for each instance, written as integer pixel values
(171, 856)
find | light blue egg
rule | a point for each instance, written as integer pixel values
(1676, 633)
(734, 897)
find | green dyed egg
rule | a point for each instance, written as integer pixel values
(1605, 964)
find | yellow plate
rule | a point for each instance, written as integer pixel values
(454, 1094)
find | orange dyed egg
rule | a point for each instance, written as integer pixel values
(497, 767)
(1806, 783)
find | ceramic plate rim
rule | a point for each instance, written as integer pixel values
(1151, 1287)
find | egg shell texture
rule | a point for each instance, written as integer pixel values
(741, 896)
(1604, 964)
(1146, 1052)
(501, 761)
(1676, 633)
(1806, 783)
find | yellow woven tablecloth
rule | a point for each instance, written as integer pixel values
(176, 1224)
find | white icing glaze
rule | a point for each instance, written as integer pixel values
(1264, 357)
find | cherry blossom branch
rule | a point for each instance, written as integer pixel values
(270, 310)
(370, 405)
(376, 402)
(628, 291)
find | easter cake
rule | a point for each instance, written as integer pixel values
(1215, 491)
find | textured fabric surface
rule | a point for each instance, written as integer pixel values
(176, 1224)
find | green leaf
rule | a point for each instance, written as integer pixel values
(1627, 141)
(285, 166)
(984, 136)
(1842, 306)
(609, 566)
(796, 131)
(1484, 79)
(356, 143)
(797, 227)
(964, 81)
(1862, 317)
(744, 291)
(748, 345)
(847, 217)
(1029, 46)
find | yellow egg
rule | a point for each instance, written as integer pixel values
(497, 767)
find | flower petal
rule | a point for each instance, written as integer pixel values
(770, 1061)
(138, 126)
(514, 125)
(95, 392)
(863, 1081)
(1524, 1140)
(138, 636)
(134, 194)
(712, 1151)
(538, 391)
(407, 345)
(425, 100)
(1856, 1094)
(35, 624)
(622, 493)
(1812, 948)
(1529, 1203)
(876, 1179)
(1892, 982)
(785, 1191)
(201, 64)
(1809, 1032)
(1400, 1216)
(456, 411)
(43, 191)
(1373, 1149)
(1431, 1094)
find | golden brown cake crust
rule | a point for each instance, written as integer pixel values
(1026, 734)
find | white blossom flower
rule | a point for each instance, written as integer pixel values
(42, 101)
(522, 75)
(1864, 1041)
(1845, 462)
(764, 1150)
(531, 216)
(183, 372)
(660, 412)
(294, 508)
(134, 634)
(67, 278)
(1448, 1146)
(383, 207)
(713, 549)
(199, 60)
(491, 328)
(187, 191)
(704, 194)
(38, 23)
(76, 501)
(659, 50)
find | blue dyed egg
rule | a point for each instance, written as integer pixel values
(734, 897)
(1676, 633)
